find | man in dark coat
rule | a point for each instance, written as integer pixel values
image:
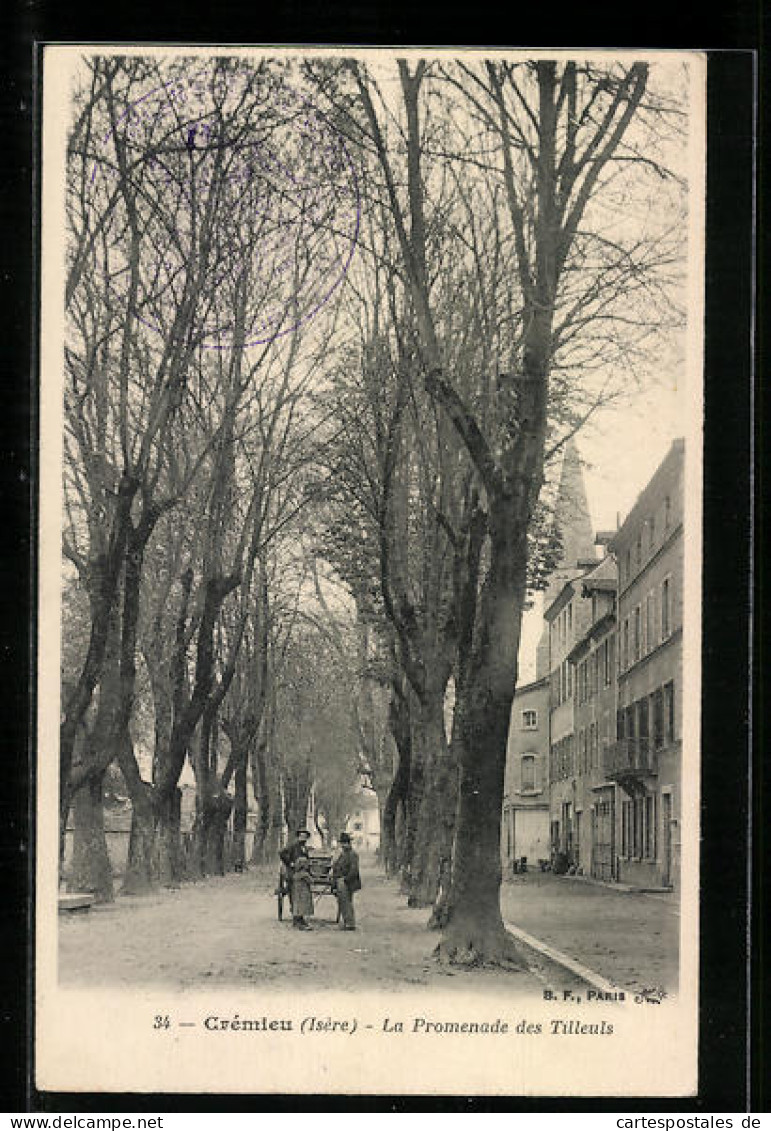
(347, 881)
(289, 857)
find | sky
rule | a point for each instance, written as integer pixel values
(619, 456)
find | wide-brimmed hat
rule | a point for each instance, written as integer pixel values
(302, 832)
(345, 838)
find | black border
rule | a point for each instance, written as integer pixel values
(727, 549)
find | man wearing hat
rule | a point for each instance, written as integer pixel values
(289, 857)
(346, 879)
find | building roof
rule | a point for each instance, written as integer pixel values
(671, 459)
(604, 577)
(560, 600)
(532, 686)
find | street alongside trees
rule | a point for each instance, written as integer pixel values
(307, 492)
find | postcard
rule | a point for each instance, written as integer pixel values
(370, 558)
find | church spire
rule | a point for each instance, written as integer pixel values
(574, 525)
(571, 512)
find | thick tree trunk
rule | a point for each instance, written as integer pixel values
(433, 850)
(91, 868)
(412, 808)
(399, 721)
(400, 835)
(473, 931)
(141, 868)
(432, 844)
(270, 818)
(263, 799)
(205, 798)
(105, 570)
(240, 811)
(168, 821)
(216, 825)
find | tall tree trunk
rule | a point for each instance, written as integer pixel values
(105, 571)
(473, 927)
(205, 797)
(141, 867)
(240, 812)
(262, 796)
(270, 817)
(297, 792)
(399, 722)
(91, 868)
(168, 827)
(219, 809)
(436, 813)
(414, 802)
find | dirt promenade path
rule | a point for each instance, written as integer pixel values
(224, 931)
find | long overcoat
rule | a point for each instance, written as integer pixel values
(302, 895)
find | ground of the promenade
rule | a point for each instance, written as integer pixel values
(225, 931)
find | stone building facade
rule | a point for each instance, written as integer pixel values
(593, 658)
(609, 690)
(645, 759)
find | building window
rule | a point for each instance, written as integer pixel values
(638, 548)
(607, 656)
(666, 610)
(529, 720)
(626, 828)
(357, 826)
(631, 721)
(528, 773)
(669, 712)
(638, 826)
(667, 513)
(649, 841)
(650, 623)
(642, 718)
(636, 634)
(658, 718)
(628, 564)
(652, 532)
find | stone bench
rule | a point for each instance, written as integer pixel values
(76, 901)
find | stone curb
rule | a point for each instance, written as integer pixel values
(576, 968)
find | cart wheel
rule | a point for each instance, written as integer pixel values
(280, 899)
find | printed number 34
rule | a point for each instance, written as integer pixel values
(161, 1022)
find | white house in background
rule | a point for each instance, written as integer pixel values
(364, 823)
(525, 827)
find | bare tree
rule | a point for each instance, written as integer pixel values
(553, 294)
